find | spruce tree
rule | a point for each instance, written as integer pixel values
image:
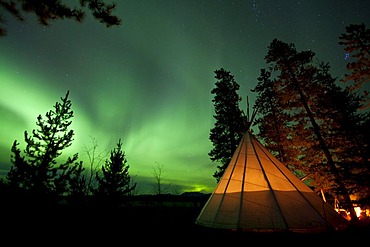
(114, 182)
(229, 123)
(38, 171)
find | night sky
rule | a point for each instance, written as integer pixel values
(149, 80)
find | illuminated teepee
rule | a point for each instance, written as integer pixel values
(258, 193)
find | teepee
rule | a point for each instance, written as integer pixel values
(258, 193)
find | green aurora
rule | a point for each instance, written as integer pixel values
(149, 80)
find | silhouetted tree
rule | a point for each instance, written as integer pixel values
(159, 186)
(37, 172)
(78, 186)
(229, 125)
(95, 161)
(115, 181)
(356, 42)
(46, 11)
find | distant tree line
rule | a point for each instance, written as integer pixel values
(317, 127)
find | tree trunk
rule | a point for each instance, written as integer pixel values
(325, 149)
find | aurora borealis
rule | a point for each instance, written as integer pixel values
(149, 80)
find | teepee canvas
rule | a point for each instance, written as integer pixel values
(258, 193)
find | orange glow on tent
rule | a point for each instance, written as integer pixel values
(258, 193)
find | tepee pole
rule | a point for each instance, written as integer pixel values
(249, 118)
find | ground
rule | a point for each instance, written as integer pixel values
(166, 226)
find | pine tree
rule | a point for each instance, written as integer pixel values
(269, 105)
(275, 125)
(344, 132)
(356, 42)
(229, 125)
(307, 107)
(37, 172)
(46, 11)
(115, 181)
